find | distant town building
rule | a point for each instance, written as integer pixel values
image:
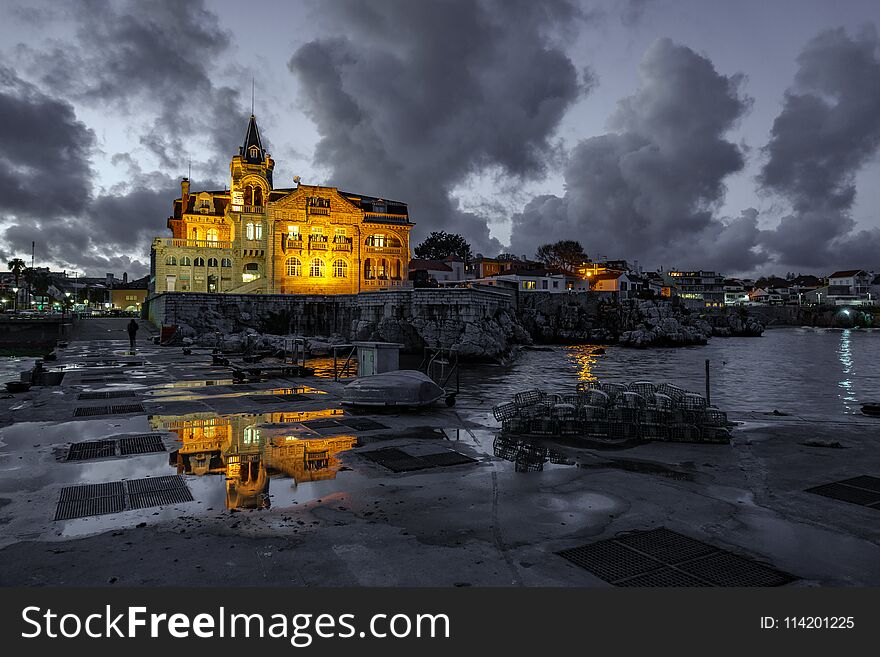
(697, 289)
(617, 284)
(255, 238)
(129, 296)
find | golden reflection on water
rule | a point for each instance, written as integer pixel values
(250, 448)
(585, 360)
(844, 353)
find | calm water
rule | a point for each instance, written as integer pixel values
(812, 371)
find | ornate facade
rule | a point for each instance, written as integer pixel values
(256, 239)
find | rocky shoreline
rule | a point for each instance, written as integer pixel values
(563, 320)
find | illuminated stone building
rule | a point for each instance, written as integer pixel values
(258, 239)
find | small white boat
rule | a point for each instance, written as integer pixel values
(399, 388)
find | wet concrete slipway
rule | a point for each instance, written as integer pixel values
(275, 483)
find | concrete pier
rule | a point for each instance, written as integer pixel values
(329, 513)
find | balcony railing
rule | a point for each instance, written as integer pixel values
(390, 250)
(313, 209)
(342, 246)
(251, 209)
(202, 244)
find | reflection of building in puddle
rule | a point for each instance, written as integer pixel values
(249, 448)
(222, 389)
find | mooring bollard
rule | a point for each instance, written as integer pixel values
(708, 394)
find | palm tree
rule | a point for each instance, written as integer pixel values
(16, 266)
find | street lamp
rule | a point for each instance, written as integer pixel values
(15, 299)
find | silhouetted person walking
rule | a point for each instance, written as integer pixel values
(132, 332)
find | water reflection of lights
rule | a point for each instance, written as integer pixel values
(844, 353)
(250, 448)
(585, 360)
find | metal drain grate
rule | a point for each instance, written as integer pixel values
(147, 443)
(397, 460)
(86, 411)
(119, 409)
(90, 500)
(111, 394)
(661, 557)
(322, 424)
(102, 379)
(864, 481)
(157, 491)
(116, 496)
(447, 458)
(267, 399)
(844, 493)
(363, 424)
(92, 449)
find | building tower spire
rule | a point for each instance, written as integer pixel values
(252, 150)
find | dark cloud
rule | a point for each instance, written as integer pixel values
(44, 162)
(150, 56)
(829, 127)
(411, 98)
(632, 11)
(649, 190)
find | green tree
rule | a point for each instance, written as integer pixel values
(567, 254)
(16, 266)
(440, 244)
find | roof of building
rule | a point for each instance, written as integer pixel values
(252, 138)
(608, 276)
(137, 284)
(532, 273)
(846, 273)
(428, 265)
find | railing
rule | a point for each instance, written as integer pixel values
(390, 250)
(342, 246)
(210, 244)
(384, 216)
(317, 246)
(253, 209)
(314, 209)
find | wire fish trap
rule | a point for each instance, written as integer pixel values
(684, 433)
(564, 411)
(630, 400)
(624, 431)
(528, 398)
(712, 417)
(505, 411)
(662, 402)
(571, 427)
(692, 401)
(505, 448)
(544, 426)
(574, 400)
(644, 388)
(515, 425)
(674, 392)
(598, 398)
(600, 430)
(625, 415)
(654, 431)
(527, 465)
(560, 459)
(592, 413)
(612, 389)
(659, 416)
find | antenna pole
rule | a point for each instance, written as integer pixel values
(253, 88)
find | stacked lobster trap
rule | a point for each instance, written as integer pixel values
(615, 412)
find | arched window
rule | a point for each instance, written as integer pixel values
(258, 231)
(213, 235)
(251, 272)
(294, 267)
(200, 262)
(368, 268)
(258, 196)
(185, 261)
(249, 195)
(376, 239)
(212, 262)
(170, 260)
(226, 262)
(316, 268)
(382, 268)
(340, 268)
(249, 230)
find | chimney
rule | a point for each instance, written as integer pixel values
(184, 194)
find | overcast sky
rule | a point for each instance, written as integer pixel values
(740, 136)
